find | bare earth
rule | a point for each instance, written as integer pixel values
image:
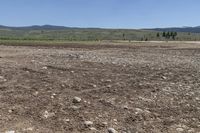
(136, 88)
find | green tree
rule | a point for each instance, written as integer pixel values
(174, 35)
(123, 36)
(168, 35)
(158, 35)
(164, 34)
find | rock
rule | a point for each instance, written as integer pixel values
(109, 86)
(105, 123)
(28, 129)
(72, 71)
(10, 110)
(3, 79)
(126, 107)
(163, 77)
(93, 129)
(111, 130)
(47, 114)
(75, 108)
(88, 123)
(179, 129)
(94, 86)
(76, 100)
(10, 132)
(67, 120)
(44, 68)
(109, 80)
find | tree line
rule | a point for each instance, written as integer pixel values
(168, 35)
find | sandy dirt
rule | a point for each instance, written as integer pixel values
(136, 88)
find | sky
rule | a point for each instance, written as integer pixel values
(134, 14)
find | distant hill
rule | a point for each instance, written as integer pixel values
(51, 32)
(181, 29)
(36, 27)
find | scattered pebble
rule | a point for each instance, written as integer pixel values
(111, 130)
(93, 129)
(76, 100)
(10, 132)
(10, 110)
(126, 107)
(88, 123)
(163, 77)
(109, 86)
(94, 86)
(47, 114)
(179, 129)
(44, 68)
(29, 129)
(67, 120)
(75, 108)
(105, 123)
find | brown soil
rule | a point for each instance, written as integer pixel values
(137, 88)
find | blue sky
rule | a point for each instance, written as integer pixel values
(101, 13)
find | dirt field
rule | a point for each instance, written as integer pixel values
(137, 88)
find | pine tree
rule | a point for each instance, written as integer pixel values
(158, 35)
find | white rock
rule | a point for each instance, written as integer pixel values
(47, 114)
(10, 132)
(111, 130)
(109, 86)
(93, 129)
(105, 123)
(44, 68)
(67, 120)
(179, 129)
(125, 106)
(75, 107)
(76, 100)
(94, 86)
(88, 123)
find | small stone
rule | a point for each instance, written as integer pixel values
(109, 80)
(191, 130)
(109, 86)
(72, 71)
(28, 129)
(36, 93)
(75, 107)
(111, 130)
(179, 129)
(105, 123)
(76, 100)
(10, 132)
(47, 114)
(125, 107)
(44, 68)
(10, 110)
(94, 86)
(93, 129)
(115, 120)
(67, 120)
(88, 123)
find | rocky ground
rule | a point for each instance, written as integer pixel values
(108, 88)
